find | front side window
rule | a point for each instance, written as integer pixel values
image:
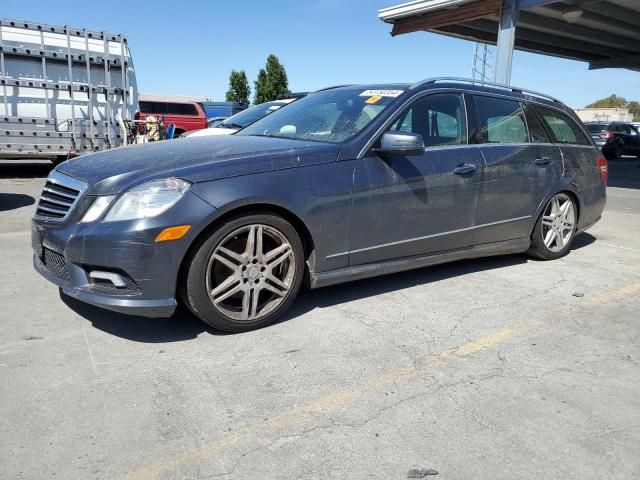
(501, 120)
(563, 128)
(439, 118)
(329, 116)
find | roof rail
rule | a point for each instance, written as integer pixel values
(484, 82)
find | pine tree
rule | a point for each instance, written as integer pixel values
(239, 90)
(261, 91)
(272, 81)
(276, 78)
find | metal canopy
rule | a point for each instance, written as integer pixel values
(605, 33)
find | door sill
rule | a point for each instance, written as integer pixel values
(359, 272)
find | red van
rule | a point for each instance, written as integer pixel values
(185, 115)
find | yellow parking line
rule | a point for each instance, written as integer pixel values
(333, 400)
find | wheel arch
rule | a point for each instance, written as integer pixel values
(570, 189)
(298, 224)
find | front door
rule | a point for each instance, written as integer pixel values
(415, 205)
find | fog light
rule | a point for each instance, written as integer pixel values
(173, 233)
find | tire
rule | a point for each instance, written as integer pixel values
(252, 282)
(553, 235)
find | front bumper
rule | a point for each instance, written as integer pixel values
(66, 252)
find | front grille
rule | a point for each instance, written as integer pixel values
(59, 194)
(55, 263)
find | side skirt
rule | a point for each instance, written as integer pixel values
(359, 272)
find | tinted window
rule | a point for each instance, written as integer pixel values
(596, 127)
(440, 119)
(536, 130)
(181, 109)
(563, 128)
(153, 107)
(501, 121)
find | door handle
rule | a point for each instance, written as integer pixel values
(464, 168)
(542, 161)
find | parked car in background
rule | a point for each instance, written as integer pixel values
(615, 138)
(185, 115)
(212, 122)
(346, 183)
(222, 109)
(241, 120)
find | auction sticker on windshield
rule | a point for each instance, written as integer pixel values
(381, 93)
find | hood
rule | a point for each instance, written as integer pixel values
(196, 160)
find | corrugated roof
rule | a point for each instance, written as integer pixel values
(605, 33)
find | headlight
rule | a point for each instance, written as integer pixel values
(97, 208)
(148, 200)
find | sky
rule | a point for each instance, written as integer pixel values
(189, 47)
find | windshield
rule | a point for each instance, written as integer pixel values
(596, 127)
(250, 115)
(329, 116)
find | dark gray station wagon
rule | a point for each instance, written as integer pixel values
(347, 183)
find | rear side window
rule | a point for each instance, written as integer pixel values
(501, 120)
(562, 127)
(156, 108)
(440, 119)
(181, 109)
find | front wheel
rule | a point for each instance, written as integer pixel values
(555, 228)
(246, 274)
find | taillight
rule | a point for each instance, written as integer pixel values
(603, 168)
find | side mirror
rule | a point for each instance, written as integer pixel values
(400, 143)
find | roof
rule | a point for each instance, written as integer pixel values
(604, 33)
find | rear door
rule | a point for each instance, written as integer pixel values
(577, 151)
(521, 166)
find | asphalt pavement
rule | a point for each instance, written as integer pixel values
(497, 368)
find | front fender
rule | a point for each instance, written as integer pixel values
(318, 195)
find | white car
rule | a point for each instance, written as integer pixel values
(240, 120)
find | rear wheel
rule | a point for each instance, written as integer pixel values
(246, 274)
(555, 228)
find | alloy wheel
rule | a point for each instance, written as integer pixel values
(250, 272)
(558, 222)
